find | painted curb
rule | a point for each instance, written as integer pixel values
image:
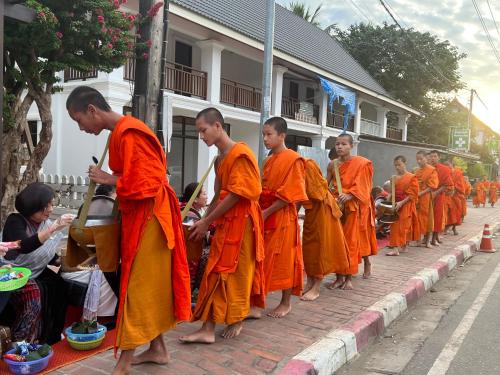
(340, 346)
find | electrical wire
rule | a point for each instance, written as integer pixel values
(485, 28)
(360, 11)
(493, 17)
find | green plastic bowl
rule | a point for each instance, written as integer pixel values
(7, 286)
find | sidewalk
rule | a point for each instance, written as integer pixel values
(268, 345)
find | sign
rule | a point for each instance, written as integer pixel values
(459, 139)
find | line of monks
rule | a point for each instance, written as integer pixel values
(485, 189)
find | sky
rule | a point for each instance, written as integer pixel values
(453, 20)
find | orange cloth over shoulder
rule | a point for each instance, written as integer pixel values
(493, 192)
(283, 178)
(137, 158)
(427, 178)
(440, 204)
(237, 173)
(406, 228)
(323, 242)
(356, 177)
(455, 212)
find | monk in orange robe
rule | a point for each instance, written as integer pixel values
(445, 187)
(323, 243)
(234, 274)
(406, 228)
(428, 183)
(478, 193)
(154, 286)
(456, 199)
(493, 192)
(486, 189)
(356, 174)
(468, 191)
(283, 187)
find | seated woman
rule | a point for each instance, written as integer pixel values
(39, 239)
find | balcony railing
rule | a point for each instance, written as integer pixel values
(129, 69)
(300, 111)
(336, 120)
(371, 127)
(394, 133)
(71, 74)
(185, 80)
(239, 95)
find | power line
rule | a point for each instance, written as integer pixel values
(485, 28)
(360, 11)
(493, 17)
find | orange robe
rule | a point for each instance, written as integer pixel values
(486, 185)
(493, 192)
(440, 201)
(284, 179)
(457, 199)
(147, 204)
(406, 228)
(480, 195)
(234, 274)
(323, 243)
(356, 177)
(427, 178)
(468, 191)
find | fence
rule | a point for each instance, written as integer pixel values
(70, 190)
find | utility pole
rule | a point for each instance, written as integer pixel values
(266, 76)
(469, 117)
(148, 83)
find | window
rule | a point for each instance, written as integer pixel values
(292, 141)
(294, 90)
(33, 129)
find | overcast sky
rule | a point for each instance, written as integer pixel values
(454, 20)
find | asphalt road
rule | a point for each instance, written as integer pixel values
(454, 330)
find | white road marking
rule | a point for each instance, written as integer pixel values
(442, 363)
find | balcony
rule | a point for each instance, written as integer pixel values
(185, 80)
(240, 95)
(394, 133)
(71, 74)
(336, 120)
(371, 127)
(300, 111)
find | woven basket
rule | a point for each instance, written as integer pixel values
(6, 286)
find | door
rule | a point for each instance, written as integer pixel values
(183, 82)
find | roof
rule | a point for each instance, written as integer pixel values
(292, 35)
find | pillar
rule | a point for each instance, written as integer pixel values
(403, 124)
(382, 121)
(357, 117)
(319, 141)
(211, 53)
(323, 109)
(277, 89)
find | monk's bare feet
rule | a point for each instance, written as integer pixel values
(124, 362)
(309, 285)
(313, 292)
(151, 356)
(392, 253)
(455, 231)
(435, 243)
(404, 249)
(202, 336)
(337, 283)
(367, 271)
(280, 311)
(232, 330)
(254, 313)
(347, 285)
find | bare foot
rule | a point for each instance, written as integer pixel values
(151, 356)
(336, 284)
(392, 253)
(347, 285)
(254, 313)
(403, 250)
(309, 285)
(311, 295)
(435, 243)
(280, 311)
(367, 272)
(201, 336)
(455, 232)
(233, 330)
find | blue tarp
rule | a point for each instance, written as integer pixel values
(345, 97)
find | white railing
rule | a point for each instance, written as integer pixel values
(371, 127)
(70, 190)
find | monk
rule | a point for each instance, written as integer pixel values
(445, 187)
(356, 174)
(456, 199)
(479, 193)
(406, 228)
(234, 274)
(493, 192)
(486, 189)
(468, 191)
(283, 187)
(154, 285)
(323, 243)
(428, 183)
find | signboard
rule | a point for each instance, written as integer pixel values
(459, 139)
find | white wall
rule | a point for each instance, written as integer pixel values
(245, 132)
(231, 65)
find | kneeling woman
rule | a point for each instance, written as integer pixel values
(39, 239)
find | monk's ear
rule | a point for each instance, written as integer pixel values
(91, 109)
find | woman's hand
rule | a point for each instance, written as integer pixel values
(399, 205)
(343, 198)
(3, 250)
(101, 177)
(62, 222)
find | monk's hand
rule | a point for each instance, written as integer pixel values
(198, 230)
(399, 205)
(98, 175)
(3, 250)
(343, 198)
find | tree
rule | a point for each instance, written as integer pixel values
(305, 12)
(79, 34)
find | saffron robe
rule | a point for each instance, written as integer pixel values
(468, 190)
(323, 243)
(480, 196)
(283, 178)
(457, 199)
(137, 158)
(406, 228)
(446, 181)
(234, 274)
(493, 192)
(356, 177)
(427, 178)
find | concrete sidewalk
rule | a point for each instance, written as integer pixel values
(319, 336)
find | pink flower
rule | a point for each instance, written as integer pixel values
(116, 3)
(130, 45)
(100, 19)
(145, 56)
(153, 11)
(104, 30)
(149, 43)
(41, 15)
(131, 17)
(110, 46)
(59, 35)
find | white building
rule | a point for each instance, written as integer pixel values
(215, 54)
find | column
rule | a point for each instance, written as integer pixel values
(403, 124)
(382, 120)
(356, 143)
(323, 109)
(166, 126)
(319, 141)
(277, 89)
(211, 52)
(357, 117)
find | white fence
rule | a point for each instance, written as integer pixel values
(70, 190)
(371, 127)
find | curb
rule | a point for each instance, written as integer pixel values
(341, 345)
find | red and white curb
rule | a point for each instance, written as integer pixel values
(340, 346)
